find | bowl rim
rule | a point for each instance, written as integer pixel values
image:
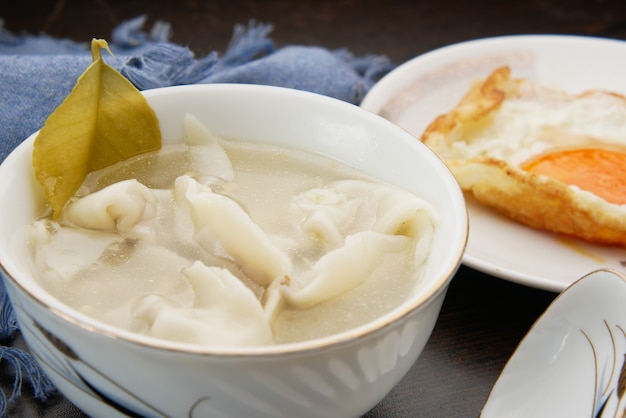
(416, 303)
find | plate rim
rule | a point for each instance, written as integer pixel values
(392, 77)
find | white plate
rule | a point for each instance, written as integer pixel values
(571, 362)
(416, 92)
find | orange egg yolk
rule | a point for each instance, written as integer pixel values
(597, 170)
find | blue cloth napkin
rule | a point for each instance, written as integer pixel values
(37, 73)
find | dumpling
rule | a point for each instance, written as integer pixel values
(370, 221)
(348, 206)
(60, 253)
(224, 312)
(123, 207)
(400, 213)
(209, 159)
(221, 222)
(328, 213)
(344, 268)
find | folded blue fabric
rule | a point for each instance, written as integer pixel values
(37, 73)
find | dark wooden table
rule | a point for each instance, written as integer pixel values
(483, 318)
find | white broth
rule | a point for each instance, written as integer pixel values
(224, 242)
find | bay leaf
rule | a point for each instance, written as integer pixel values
(103, 120)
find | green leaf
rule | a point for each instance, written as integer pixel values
(103, 120)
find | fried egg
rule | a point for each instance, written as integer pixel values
(542, 157)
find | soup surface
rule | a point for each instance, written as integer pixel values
(224, 242)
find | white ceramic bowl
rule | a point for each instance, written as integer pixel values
(106, 371)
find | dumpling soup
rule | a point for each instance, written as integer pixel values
(224, 242)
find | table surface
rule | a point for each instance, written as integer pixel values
(483, 317)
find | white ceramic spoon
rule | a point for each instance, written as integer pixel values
(572, 361)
